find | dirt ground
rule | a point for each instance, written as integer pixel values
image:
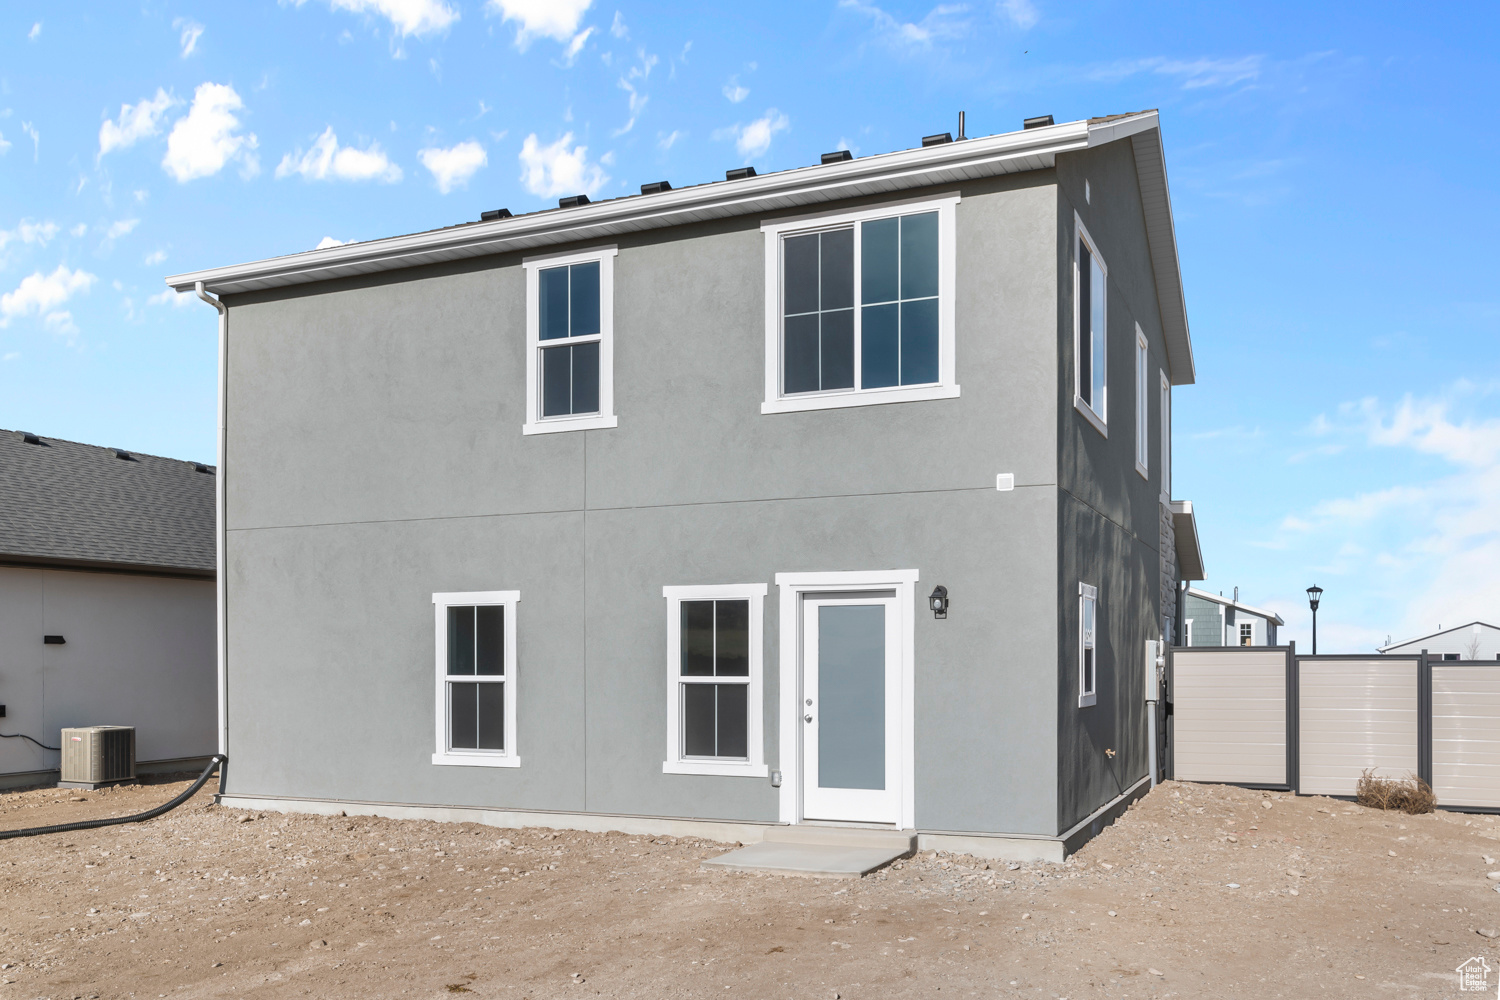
(1198, 891)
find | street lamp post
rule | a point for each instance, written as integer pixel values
(1314, 595)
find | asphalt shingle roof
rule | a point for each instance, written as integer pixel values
(66, 503)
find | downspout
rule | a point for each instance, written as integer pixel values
(220, 535)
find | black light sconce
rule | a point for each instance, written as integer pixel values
(54, 640)
(939, 601)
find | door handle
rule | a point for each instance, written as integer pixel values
(807, 718)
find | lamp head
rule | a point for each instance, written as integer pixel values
(938, 601)
(1314, 595)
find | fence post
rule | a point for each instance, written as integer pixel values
(1293, 720)
(1424, 718)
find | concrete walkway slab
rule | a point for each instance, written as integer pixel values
(815, 860)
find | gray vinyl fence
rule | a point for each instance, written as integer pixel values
(1267, 717)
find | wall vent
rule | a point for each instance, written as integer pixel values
(97, 755)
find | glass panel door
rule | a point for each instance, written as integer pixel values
(850, 699)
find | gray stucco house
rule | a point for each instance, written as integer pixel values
(1210, 619)
(107, 615)
(839, 495)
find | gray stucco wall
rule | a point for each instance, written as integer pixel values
(1109, 516)
(139, 652)
(375, 456)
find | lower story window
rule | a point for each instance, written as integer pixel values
(714, 672)
(476, 712)
(1088, 664)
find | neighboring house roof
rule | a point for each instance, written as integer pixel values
(1185, 530)
(68, 504)
(1433, 635)
(1269, 616)
(885, 173)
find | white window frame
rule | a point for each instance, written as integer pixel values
(1166, 438)
(475, 758)
(947, 385)
(1087, 593)
(1142, 404)
(1187, 640)
(1100, 417)
(535, 422)
(1240, 637)
(755, 766)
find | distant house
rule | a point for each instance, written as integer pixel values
(1216, 620)
(106, 603)
(1474, 641)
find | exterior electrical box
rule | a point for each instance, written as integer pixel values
(93, 756)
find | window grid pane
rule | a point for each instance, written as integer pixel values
(1085, 315)
(715, 644)
(899, 299)
(818, 312)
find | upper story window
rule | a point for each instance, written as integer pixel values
(859, 307)
(570, 341)
(1142, 403)
(1090, 344)
(476, 678)
(1166, 437)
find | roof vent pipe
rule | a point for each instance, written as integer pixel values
(961, 135)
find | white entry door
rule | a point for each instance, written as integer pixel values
(851, 698)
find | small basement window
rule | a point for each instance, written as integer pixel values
(476, 675)
(714, 672)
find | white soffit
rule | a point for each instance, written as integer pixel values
(969, 159)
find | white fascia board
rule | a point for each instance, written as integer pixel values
(1249, 609)
(949, 163)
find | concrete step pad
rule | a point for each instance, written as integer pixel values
(843, 836)
(815, 860)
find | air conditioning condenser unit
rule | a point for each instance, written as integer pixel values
(93, 756)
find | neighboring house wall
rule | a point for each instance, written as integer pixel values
(1109, 515)
(1459, 641)
(139, 652)
(375, 457)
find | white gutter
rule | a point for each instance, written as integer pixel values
(221, 590)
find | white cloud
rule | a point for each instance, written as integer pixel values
(170, 297)
(617, 26)
(209, 136)
(327, 160)
(11, 356)
(570, 54)
(452, 167)
(329, 241)
(136, 122)
(79, 229)
(1194, 73)
(754, 140)
(41, 293)
(668, 140)
(35, 32)
(4, 144)
(191, 32)
(942, 23)
(1022, 13)
(121, 228)
(559, 169)
(631, 83)
(155, 257)
(734, 91)
(36, 140)
(28, 232)
(408, 17)
(554, 19)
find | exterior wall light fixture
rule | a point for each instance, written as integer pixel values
(939, 601)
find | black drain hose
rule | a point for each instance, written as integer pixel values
(218, 762)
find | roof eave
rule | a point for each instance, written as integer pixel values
(1185, 529)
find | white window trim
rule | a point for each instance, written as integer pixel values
(755, 766)
(1099, 418)
(792, 586)
(475, 758)
(1088, 593)
(947, 385)
(1166, 438)
(535, 422)
(1142, 404)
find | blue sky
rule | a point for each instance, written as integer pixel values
(1333, 174)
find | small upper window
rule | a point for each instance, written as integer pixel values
(1090, 347)
(714, 680)
(1166, 436)
(570, 342)
(860, 308)
(1142, 404)
(1247, 633)
(1088, 665)
(476, 671)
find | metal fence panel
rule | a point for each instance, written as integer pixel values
(1229, 715)
(1356, 713)
(1466, 734)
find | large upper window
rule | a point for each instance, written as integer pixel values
(570, 342)
(714, 680)
(859, 307)
(1090, 344)
(476, 674)
(1088, 644)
